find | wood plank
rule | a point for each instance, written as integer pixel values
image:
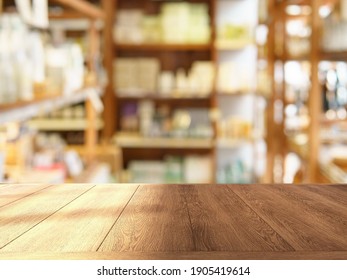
(110, 113)
(23, 215)
(297, 218)
(81, 226)
(162, 47)
(83, 7)
(20, 104)
(156, 219)
(332, 196)
(215, 255)
(315, 100)
(221, 221)
(128, 140)
(23, 110)
(324, 211)
(11, 193)
(337, 193)
(271, 126)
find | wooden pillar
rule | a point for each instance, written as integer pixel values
(214, 98)
(314, 98)
(270, 134)
(91, 133)
(109, 98)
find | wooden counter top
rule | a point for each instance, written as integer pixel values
(173, 222)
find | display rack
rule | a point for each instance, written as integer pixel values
(309, 152)
(185, 53)
(25, 110)
(115, 100)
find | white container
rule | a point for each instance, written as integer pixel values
(166, 83)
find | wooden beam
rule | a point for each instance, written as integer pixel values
(314, 97)
(110, 101)
(66, 15)
(84, 7)
(91, 133)
(214, 99)
(271, 127)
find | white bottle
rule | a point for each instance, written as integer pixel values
(37, 56)
(22, 63)
(8, 69)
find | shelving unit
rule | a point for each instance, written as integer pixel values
(308, 153)
(25, 110)
(172, 56)
(240, 103)
(63, 124)
(278, 141)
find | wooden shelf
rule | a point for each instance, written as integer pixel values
(24, 110)
(83, 7)
(289, 57)
(237, 93)
(181, 101)
(136, 141)
(325, 121)
(63, 124)
(161, 97)
(333, 56)
(163, 47)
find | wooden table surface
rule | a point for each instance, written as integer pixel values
(173, 222)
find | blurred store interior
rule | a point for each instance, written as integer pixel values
(154, 91)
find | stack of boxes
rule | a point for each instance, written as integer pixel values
(136, 76)
(128, 26)
(177, 23)
(141, 76)
(172, 170)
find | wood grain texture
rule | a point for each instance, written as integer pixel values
(175, 222)
(21, 216)
(81, 226)
(335, 193)
(156, 219)
(212, 255)
(221, 221)
(11, 193)
(305, 223)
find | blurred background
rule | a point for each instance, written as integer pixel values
(154, 91)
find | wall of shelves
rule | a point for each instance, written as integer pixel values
(310, 140)
(47, 102)
(171, 57)
(238, 102)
